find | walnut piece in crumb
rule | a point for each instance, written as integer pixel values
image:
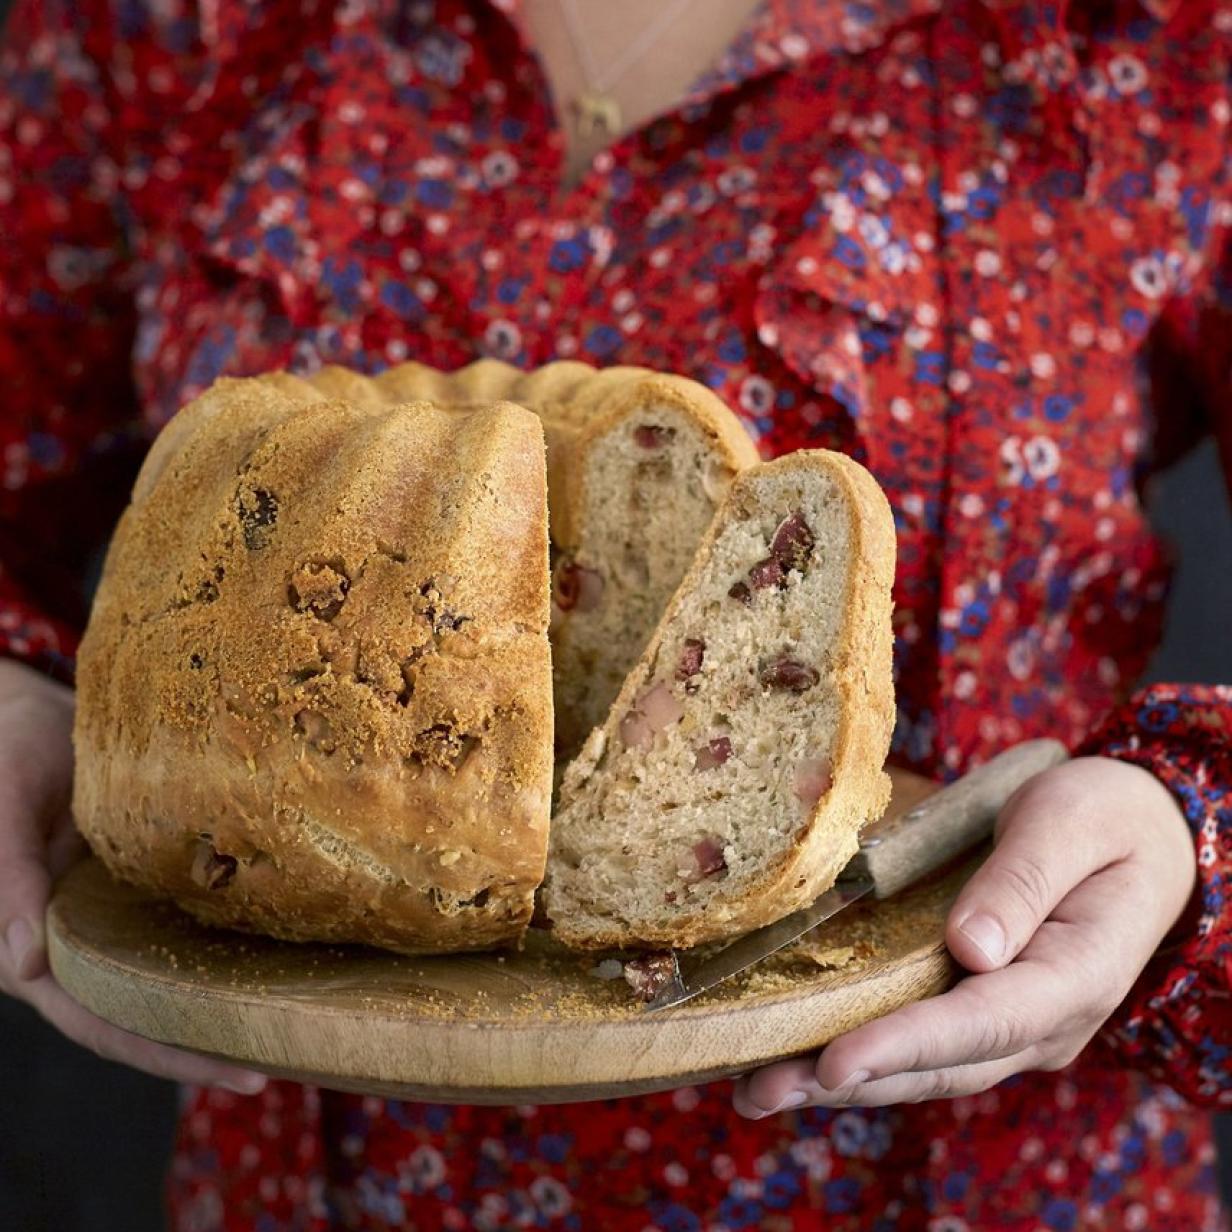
(828, 957)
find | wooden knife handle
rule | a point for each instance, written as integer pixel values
(899, 849)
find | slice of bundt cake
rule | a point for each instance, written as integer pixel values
(314, 697)
(729, 783)
(637, 464)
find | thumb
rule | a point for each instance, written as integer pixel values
(1043, 851)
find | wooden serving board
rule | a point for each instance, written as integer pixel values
(515, 1028)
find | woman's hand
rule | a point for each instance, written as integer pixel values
(1093, 865)
(38, 841)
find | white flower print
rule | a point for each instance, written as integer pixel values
(1148, 278)
(443, 58)
(1042, 457)
(736, 180)
(987, 263)
(849, 1133)
(424, 1170)
(873, 231)
(71, 268)
(550, 1196)
(502, 339)
(814, 1156)
(500, 168)
(1127, 74)
(842, 211)
(1020, 658)
(1011, 459)
(756, 395)
(491, 1213)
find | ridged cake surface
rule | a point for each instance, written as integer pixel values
(314, 697)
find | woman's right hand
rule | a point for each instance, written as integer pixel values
(38, 841)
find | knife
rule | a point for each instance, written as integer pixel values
(895, 852)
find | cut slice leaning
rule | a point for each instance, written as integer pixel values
(745, 750)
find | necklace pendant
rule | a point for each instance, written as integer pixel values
(596, 114)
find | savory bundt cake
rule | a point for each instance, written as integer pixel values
(638, 462)
(314, 698)
(728, 786)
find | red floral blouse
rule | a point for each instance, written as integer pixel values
(981, 245)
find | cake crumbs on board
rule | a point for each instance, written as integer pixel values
(543, 982)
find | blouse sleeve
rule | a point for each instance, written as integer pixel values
(69, 428)
(1177, 1022)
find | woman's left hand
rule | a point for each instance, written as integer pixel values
(1093, 865)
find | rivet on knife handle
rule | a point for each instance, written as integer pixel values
(898, 850)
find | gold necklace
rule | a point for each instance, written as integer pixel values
(595, 110)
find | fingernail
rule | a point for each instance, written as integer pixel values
(246, 1084)
(854, 1080)
(986, 935)
(791, 1100)
(19, 937)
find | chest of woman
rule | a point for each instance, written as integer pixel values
(919, 240)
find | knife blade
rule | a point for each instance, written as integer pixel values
(693, 976)
(895, 852)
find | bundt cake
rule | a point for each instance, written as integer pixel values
(637, 464)
(744, 752)
(314, 697)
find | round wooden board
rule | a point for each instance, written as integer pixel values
(514, 1028)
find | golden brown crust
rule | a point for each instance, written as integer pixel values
(321, 642)
(343, 385)
(551, 383)
(200, 411)
(413, 382)
(864, 682)
(484, 380)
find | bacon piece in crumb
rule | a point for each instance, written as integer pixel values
(636, 732)
(767, 573)
(814, 777)
(650, 974)
(716, 753)
(691, 656)
(575, 586)
(709, 861)
(792, 542)
(652, 436)
(790, 674)
(660, 707)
